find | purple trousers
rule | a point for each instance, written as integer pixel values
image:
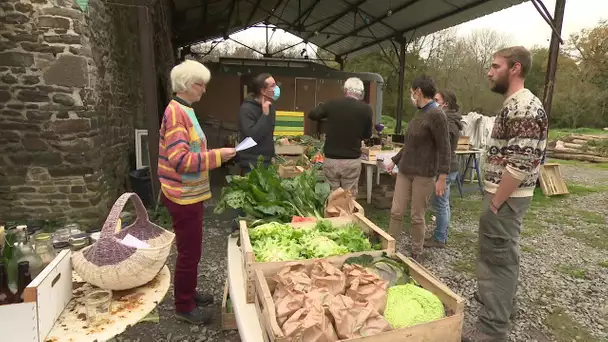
(188, 228)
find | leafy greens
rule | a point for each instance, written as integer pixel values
(280, 242)
(265, 197)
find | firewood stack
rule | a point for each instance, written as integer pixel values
(382, 194)
(590, 148)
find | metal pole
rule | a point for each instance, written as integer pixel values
(558, 18)
(399, 114)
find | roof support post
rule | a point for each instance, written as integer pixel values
(340, 60)
(558, 18)
(401, 87)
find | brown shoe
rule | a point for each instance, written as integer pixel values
(475, 335)
(433, 243)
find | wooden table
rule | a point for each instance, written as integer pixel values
(128, 308)
(369, 174)
(370, 166)
(246, 315)
(470, 157)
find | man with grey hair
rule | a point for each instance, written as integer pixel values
(348, 121)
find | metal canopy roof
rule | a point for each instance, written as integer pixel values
(342, 27)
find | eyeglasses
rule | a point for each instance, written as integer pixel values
(202, 85)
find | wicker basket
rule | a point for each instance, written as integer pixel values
(110, 264)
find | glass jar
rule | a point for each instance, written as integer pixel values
(61, 238)
(79, 241)
(98, 304)
(73, 228)
(43, 245)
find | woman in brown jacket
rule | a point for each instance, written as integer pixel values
(425, 155)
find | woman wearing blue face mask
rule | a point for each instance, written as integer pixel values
(257, 117)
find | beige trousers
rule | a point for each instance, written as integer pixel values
(343, 173)
(418, 191)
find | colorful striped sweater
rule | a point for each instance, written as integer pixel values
(517, 144)
(183, 159)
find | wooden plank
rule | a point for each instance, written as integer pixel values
(551, 181)
(448, 329)
(452, 301)
(289, 149)
(266, 304)
(388, 242)
(250, 329)
(358, 208)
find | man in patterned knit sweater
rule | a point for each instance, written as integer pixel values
(512, 166)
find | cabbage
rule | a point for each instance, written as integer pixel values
(408, 305)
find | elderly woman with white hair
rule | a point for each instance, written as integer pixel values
(348, 122)
(184, 163)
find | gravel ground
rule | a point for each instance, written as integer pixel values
(563, 291)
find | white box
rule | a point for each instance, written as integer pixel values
(44, 300)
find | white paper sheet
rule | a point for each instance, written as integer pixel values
(132, 241)
(245, 144)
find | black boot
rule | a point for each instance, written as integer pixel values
(196, 316)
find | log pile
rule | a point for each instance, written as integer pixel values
(382, 194)
(589, 148)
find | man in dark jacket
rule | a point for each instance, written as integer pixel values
(349, 120)
(256, 120)
(446, 99)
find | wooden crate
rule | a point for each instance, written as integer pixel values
(250, 265)
(44, 300)
(370, 153)
(228, 318)
(448, 329)
(358, 208)
(463, 143)
(289, 150)
(290, 171)
(551, 181)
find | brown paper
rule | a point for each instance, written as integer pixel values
(356, 319)
(326, 275)
(310, 324)
(364, 286)
(321, 296)
(293, 277)
(339, 203)
(292, 283)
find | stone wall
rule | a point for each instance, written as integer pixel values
(70, 99)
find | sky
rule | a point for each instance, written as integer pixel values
(529, 30)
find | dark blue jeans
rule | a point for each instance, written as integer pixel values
(442, 209)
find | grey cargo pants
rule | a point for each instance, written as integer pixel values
(498, 263)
